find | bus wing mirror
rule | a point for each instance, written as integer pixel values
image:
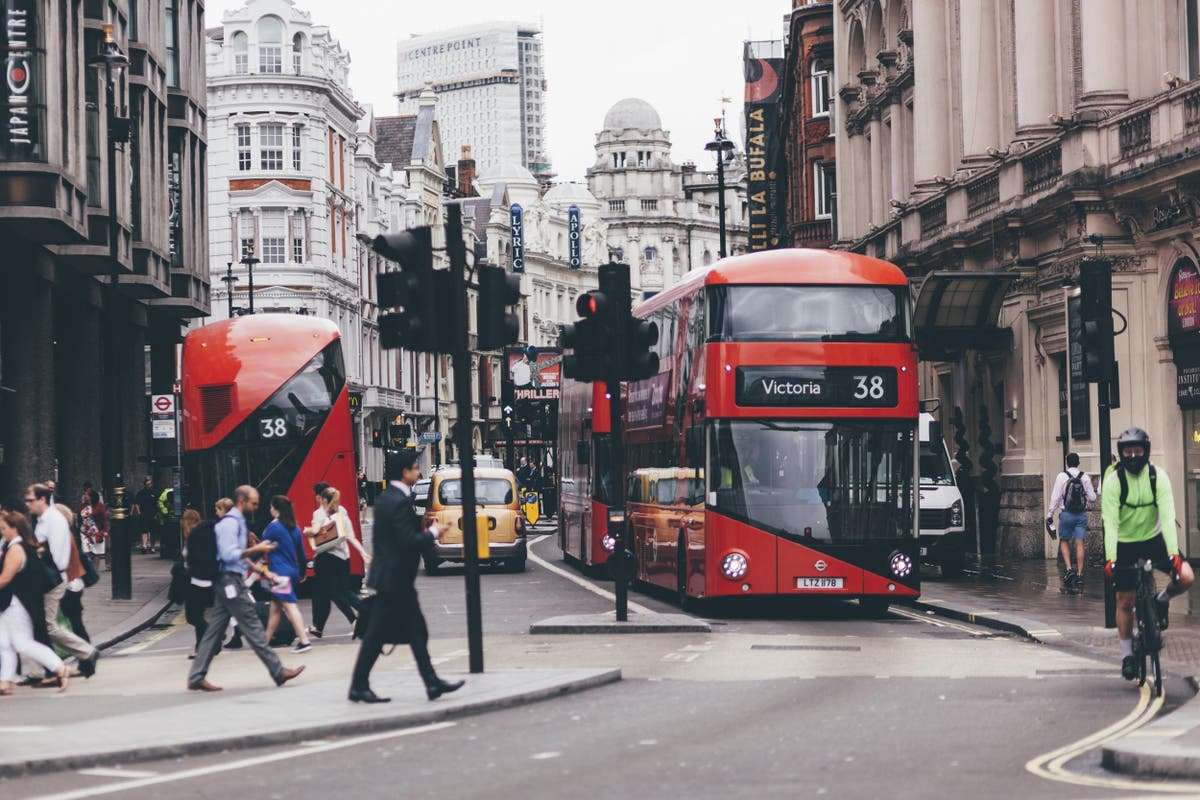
(582, 452)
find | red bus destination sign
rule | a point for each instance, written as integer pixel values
(817, 387)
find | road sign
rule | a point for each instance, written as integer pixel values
(163, 403)
(429, 437)
(162, 416)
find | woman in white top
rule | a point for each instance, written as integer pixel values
(332, 561)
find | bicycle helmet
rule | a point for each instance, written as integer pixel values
(1133, 436)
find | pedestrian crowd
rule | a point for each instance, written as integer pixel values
(228, 581)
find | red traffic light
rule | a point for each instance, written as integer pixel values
(591, 304)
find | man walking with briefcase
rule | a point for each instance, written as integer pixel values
(395, 609)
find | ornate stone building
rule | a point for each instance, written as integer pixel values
(1004, 143)
(78, 357)
(661, 216)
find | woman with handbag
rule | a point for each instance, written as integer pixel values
(331, 537)
(285, 561)
(72, 601)
(23, 581)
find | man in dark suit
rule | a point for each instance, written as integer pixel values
(399, 544)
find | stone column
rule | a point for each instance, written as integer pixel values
(899, 137)
(1037, 81)
(931, 102)
(1102, 33)
(980, 87)
(879, 184)
(79, 363)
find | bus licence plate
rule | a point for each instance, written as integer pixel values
(819, 583)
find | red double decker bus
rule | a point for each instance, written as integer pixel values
(775, 451)
(265, 403)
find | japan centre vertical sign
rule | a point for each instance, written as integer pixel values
(574, 232)
(765, 181)
(516, 225)
(22, 94)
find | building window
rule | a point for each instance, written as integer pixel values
(241, 63)
(650, 253)
(172, 21)
(820, 88)
(247, 246)
(270, 142)
(618, 253)
(616, 205)
(270, 45)
(273, 250)
(298, 249)
(243, 148)
(273, 230)
(296, 148)
(649, 205)
(824, 181)
(297, 52)
(1191, 28)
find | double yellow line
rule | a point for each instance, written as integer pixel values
(1052, 765)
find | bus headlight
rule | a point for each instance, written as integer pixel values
(608, 543)
(902, 564)
(734, 565)
(956, 514)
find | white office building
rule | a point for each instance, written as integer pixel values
(490, 84)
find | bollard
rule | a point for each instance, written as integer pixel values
(483, 537)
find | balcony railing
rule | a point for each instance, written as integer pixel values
(813, 232)
(1042, 169)
(1191, 110)
(983, 194)
(933, 217)
(1134, 134)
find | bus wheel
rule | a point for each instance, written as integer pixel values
(874, 607)
(681, 576)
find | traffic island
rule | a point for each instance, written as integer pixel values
(296, 713)
(638, 622)
(1166, 748)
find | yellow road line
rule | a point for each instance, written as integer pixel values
(939, 623)
(155, 637)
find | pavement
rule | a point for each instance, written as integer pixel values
(112, 621)
(1025, 598)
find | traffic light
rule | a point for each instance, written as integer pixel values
(640, 362)
(590, 339)
(497, 291)
(376, 438)
(417, 291)
(400, 434)
(1095, 311)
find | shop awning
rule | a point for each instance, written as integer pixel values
(959, 311)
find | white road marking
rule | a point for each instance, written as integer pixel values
(544, 756)
(23, 728)
(573, 578)
(200, 772)
(105, 772)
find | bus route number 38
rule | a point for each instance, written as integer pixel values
(869, 386)
(273, 428)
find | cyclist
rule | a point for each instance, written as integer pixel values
(1139, 522)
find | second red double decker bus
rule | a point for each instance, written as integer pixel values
(775, 451)
(265, 403)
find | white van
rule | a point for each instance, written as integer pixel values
(940, 507)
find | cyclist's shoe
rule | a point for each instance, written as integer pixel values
(1128, 668)
(1069, 577)
(1078, 585)
(1162, 607)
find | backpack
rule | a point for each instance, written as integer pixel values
(1074, 497)
(202, 551)
(1120, 470)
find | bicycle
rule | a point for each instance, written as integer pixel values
(1147, 636)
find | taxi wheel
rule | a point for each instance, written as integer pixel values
(516, 564)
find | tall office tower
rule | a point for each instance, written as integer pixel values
(490, 85)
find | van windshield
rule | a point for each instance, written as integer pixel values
(488, 492)
(935, 465)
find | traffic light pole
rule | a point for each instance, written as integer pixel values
(617, 501)
(466, 456)
(1103, 416)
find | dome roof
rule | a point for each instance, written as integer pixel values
(634, 113)
(569, 192)
(510, 172)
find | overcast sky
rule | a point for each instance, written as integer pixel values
(681, 56)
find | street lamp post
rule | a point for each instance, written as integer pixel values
(113, 62)
(248, 261)
(721, 146)
(229, 280)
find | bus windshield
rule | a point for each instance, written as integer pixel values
(835, 482)
(809, 314)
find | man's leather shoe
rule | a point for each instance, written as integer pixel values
(203, 685)
(87, 666)
(435, 690)
(288, 674)
(367, 696)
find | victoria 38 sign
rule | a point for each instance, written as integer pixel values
(517, 226)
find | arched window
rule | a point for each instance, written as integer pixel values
(270, 45)
(820, 88)
(650, 253)
(297, 52)
(241, 63)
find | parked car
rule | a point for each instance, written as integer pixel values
(496, 498)
(421, 495)
(940, 506)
